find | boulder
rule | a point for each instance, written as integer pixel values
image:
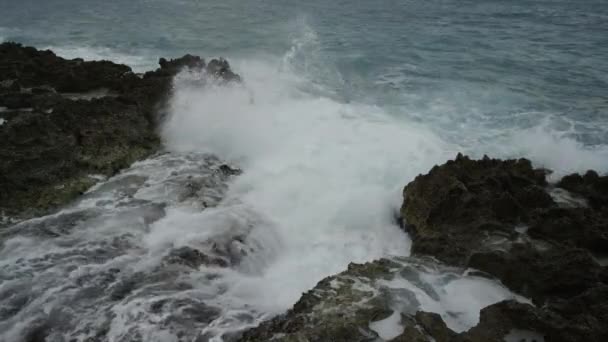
(450, 211)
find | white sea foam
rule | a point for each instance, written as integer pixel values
(555, 150)
(328, 175)
(388, 328)
(322, 183)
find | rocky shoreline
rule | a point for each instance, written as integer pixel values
(500, 218)
(66, 123)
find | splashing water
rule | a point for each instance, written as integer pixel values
(175, 249)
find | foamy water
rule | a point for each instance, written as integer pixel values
(323, 172)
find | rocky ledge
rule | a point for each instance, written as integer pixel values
(489, 218)
(62, 121)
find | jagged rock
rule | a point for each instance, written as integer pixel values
(193, 258)
(229, 171)
(581, 318)
(465, 213)
(52, 141)
(496, 216)
(498, 320)
(452, 209)
(32, 68)
(591, 185)
(338, 309)
(187, 61)
(492, 215)
(581, 227)
(541, 274)
(345, 307)
(424, 327)
(221, 68)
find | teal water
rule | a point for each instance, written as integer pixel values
(465, 68)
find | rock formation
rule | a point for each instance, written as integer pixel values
(500, 217)
(65, 120)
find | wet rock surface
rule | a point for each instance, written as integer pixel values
(379, 301)
(497, 216)
(63, 120)
(590, 185)
(500, 217)
(123, 275)
(456, 207)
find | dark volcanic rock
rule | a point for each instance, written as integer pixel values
(581, 318)
(541, 274)
(221, 68)
(465, 213)
(498, 320)
(338, 309)
(496, 216)
(32, 68)
(173, 66)
(581, 227)
(52, 141)
(492, 215)
(591, 185)
(343, 308)
(455, 207)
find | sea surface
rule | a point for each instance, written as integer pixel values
(343, 103)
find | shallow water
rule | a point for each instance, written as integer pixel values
(342, 104)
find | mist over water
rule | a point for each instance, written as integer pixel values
(333, 118)
(316, 169)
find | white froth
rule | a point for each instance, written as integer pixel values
(554, 150)
(327, 175)
(457, 298)
(321, 187)
(388, 328)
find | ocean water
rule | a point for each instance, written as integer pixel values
(342, 104)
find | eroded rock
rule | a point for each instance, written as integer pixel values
(66, 119)
(466, 212)
(497, 216)
(453, 208)
(492, 215)
(353, 305)
(590, 185)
